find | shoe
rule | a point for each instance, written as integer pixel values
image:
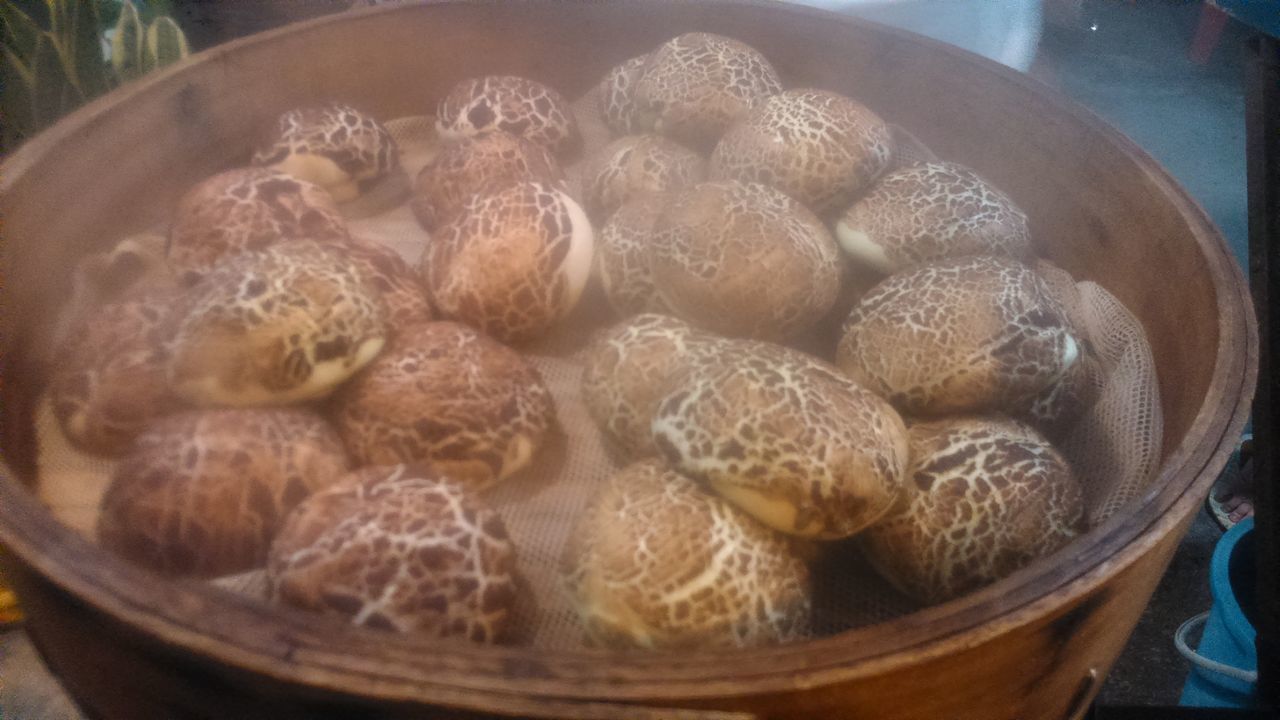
(1231, 499)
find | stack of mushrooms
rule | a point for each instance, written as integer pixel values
(736, 219)
(286, 395)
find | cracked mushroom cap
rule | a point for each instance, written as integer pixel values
(514, 104)
(622, 255)
(617, 95)
(816, 146)
(787, 438)
(513, 263)
(655, 562)
(635, 165)
(400, 548)
(334, 146)
(110, 381)
(984, 497)
(248, 209)
(446, 395)
(1055, 410)
(629, 368)
(694, 86)
(204, 492)
(744, 260)
(971, 334)
(282, 325)
(386, 272)
(931, 211)
(487, 162)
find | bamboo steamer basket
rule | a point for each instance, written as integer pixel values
(1035, 645)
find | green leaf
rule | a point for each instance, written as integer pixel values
(19, 88)
(70, 99)
(63, 53)
(21, 71)
(108, 12)
(86, 50)
(165, 44)
(59, 16)
(49, 82)
(20, 30)
(159, 8)
(126, 44)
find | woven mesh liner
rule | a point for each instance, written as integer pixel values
(907, 149)
(595, 135)
(1114, 450)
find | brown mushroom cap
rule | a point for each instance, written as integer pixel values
(971, 334)
(1055, 410)
(785, 437)
(655, 562)
(335, 146)
(984, 497)
(694, 86)
(744, 260)
(635, 165)
(487, 162)
(446, 395)
(248, 209)
(512, 263)
(931, 211)
(204, 492)
(816, 146)
(110, 381)
(285, 324)
(517, 105)
(630, 367)
(622, 255)
(386, 272)
(617, 95)
(398, 548)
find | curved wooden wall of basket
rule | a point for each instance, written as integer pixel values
(1032, 646)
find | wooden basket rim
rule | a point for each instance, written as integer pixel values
(322, 653)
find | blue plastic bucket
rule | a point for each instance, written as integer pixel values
(1224, 668)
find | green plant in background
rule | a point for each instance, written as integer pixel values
(137, 48)
(54, 55)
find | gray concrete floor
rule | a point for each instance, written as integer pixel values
(1150, 671)
(1134, 71)
(27, 691)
